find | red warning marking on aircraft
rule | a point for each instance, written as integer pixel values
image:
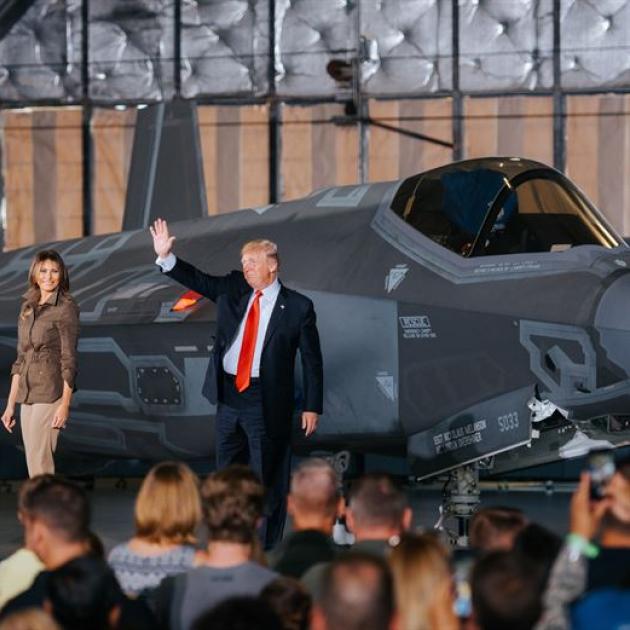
(186, 301)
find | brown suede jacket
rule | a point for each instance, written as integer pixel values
(47, 347)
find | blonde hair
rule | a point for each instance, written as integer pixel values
(422, 579)
(29, 619)
(262, 244)
(168, 506)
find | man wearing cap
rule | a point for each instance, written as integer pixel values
(260, 326)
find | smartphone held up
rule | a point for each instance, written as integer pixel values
(601, 468)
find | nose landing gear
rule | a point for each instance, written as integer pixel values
(460, 500)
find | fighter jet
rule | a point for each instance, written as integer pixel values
(476, 312)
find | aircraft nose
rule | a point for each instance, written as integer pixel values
(612, 321)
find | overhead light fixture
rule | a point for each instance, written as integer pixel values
(340, 70)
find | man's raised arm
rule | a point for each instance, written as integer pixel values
(207, 285)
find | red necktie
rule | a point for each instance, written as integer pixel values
(246, 356)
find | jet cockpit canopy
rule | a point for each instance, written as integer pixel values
(498, 206)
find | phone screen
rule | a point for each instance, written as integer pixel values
(601, 467)
(463, 598)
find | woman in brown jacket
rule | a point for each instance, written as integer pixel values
(42, 377)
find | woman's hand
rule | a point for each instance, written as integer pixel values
(61, 416)
(586, 515)
(8, 420)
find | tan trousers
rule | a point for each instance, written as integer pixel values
(40, 439)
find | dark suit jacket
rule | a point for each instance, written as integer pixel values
(291, 327)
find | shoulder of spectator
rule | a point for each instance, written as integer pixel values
(137, 613)
(312, 579)
(32, 597)
(116, 551)
(159, 599)
(22, 556)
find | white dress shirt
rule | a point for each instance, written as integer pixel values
(267, 302)
(166, 264)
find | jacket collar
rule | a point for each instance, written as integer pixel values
(32, 296)
(275, 286)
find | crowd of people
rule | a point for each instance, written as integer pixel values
(196, 560)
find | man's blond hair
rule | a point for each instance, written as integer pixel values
(264, 245)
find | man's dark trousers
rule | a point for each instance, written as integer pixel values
(241, 438)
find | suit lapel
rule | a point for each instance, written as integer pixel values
(276, 315)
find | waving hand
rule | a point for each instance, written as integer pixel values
(162, 241)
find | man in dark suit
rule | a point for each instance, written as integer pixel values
(260, 327)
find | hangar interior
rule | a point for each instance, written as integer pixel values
(295, 95)
(290, 96)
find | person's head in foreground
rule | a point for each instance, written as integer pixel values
(168, 505)
(495, 527)
(357, 594)
(291, 602)
(505, 592)
(232, 501)
(423, 584)
(540, 546)
(314, 501)
(55, 514)
(377, 508)
(84, 594)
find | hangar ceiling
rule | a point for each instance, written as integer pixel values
(10, 12)
(150, 50)
(455, 78)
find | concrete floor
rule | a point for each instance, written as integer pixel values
(112, 508)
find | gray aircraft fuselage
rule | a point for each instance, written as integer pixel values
(433, 343)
